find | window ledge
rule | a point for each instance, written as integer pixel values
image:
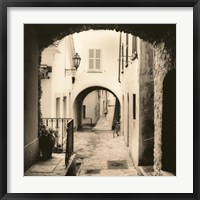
(94, 71)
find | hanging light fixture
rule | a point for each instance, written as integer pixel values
(76, 60)
(76, 63)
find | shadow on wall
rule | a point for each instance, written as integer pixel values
(116, 113)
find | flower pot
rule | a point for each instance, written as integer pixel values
(46, 143)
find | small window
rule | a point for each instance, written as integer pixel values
(94, 60)
(84, 111)
(58, 107)
(134, 44)
(134, 106)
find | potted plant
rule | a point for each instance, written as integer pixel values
(47, 141)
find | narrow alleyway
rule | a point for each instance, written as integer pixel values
(105, 123)
(99, 153)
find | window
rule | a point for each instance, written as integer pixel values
(134, 106)
(58, 107)
(134, 44)
(65, 107)
(84, 111)
(94, 59)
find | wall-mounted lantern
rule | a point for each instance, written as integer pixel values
(76, 60)
(76, 63)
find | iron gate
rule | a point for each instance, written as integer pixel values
(70, 141)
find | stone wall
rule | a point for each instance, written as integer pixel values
(146, 105)
(164, 61)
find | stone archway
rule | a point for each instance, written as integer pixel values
(153, 33)
(77, 105)
(39, 36)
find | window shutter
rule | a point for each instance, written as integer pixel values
(98, 58)
(91, 53)
(134, 44)
(91, 63)
(91, 58)
(97, 63)
(98, 53)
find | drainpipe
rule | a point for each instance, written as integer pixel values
(120, 40)
(122, 57)
(126, 50)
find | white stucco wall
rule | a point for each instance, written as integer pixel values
(111, 99)
(47, 100)
(91, 102)
(130, 86)
(108, 42)
(60, 84)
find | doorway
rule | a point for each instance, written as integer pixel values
(169, 123)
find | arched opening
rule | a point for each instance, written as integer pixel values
(98, 104)
(169, 123)
(37, 37)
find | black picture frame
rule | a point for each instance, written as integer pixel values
(4, 4)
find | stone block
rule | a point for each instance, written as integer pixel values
(42, 168)
(52, 161)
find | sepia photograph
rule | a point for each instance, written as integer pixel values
(100, 100)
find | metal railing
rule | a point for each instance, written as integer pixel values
(70, 141)
(65, 138)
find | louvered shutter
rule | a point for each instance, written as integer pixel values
(91, 59)
(98, 58)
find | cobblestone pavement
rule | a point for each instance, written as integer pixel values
(95, 149)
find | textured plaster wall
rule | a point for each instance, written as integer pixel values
(164, 61)
(31, 62)
(31, 153)
(146, 105)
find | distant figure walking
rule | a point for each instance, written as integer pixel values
(105, 112)
(117, 128)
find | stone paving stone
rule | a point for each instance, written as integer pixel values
(98, 149)
(37, 168)
(52, 161)
(52, 167)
